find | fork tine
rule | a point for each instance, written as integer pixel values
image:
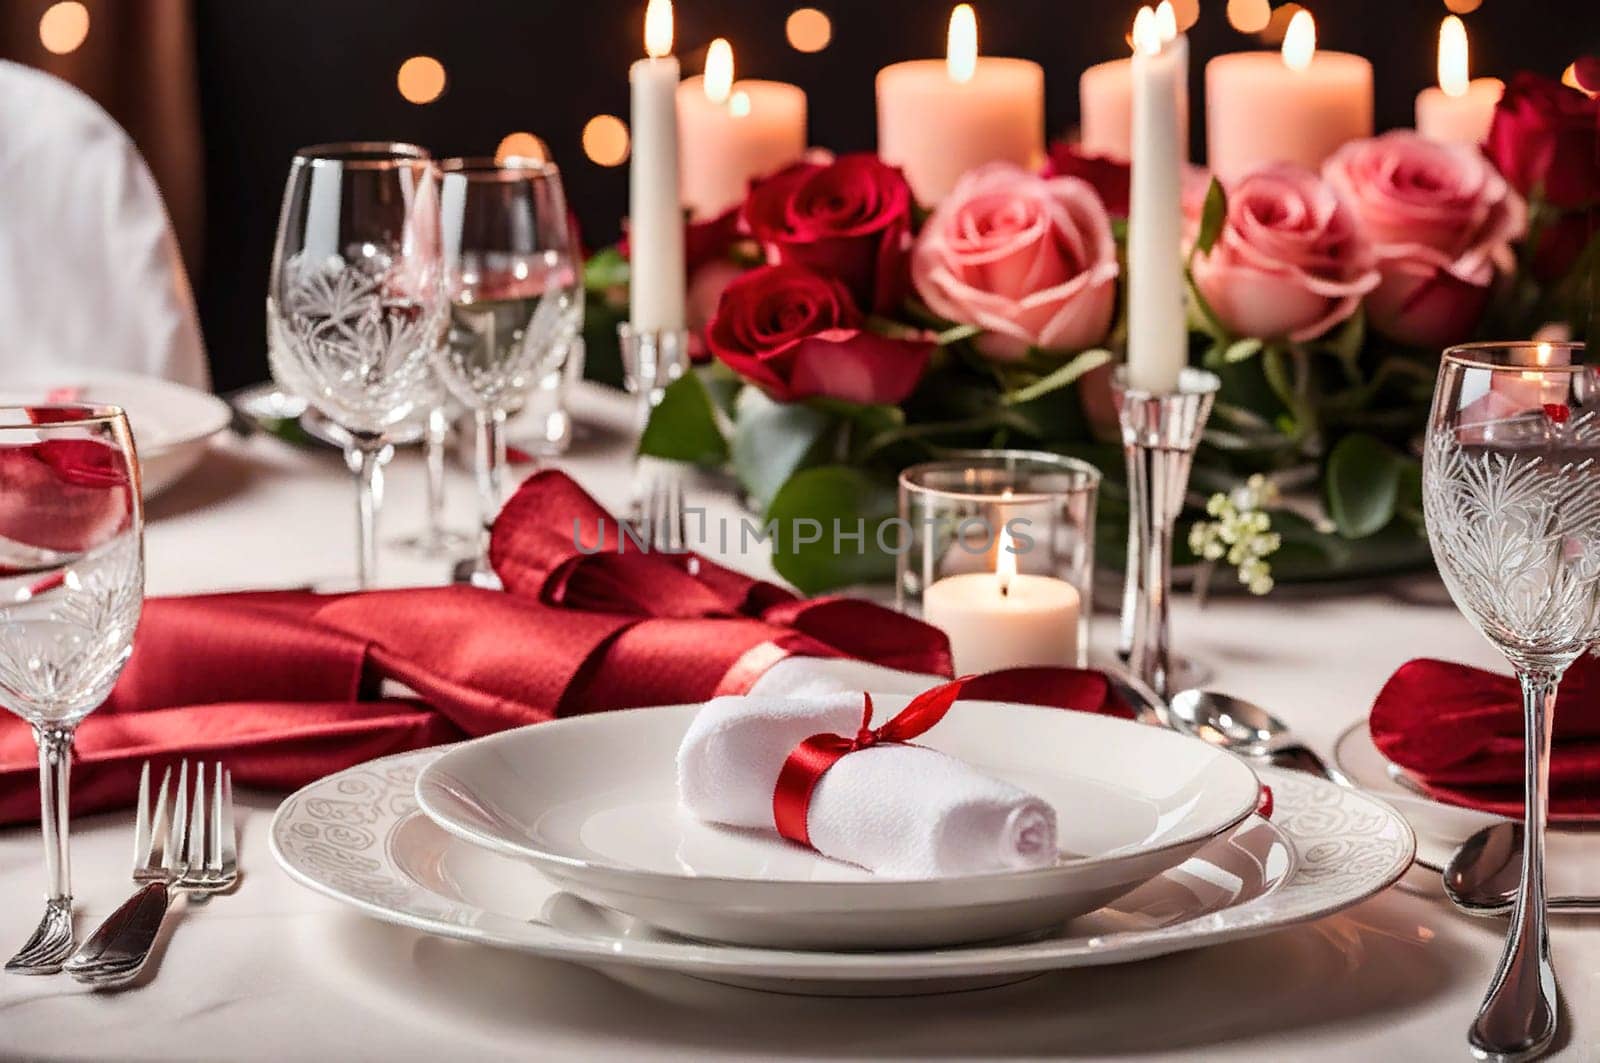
(214, 830)
(141, 819)
(229, 852)
(195, 854)
(180, 821)
(160, 851)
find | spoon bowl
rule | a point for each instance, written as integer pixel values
(1483, 874)
(1231, 723)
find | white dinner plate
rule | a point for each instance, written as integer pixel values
(356, 836)
(592, 802)
(172, 424)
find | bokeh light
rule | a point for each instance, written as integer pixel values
(808, 29)
(63, 27)
(1278, 24)
(1583, 75)
(521, 146)
(605, 140)
(1249, 16)
(1463, 7)
(1187, 12)
(421, 79)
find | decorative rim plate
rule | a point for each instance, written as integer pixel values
(341, 837)
(591, 801)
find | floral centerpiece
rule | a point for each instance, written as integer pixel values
(847, 334)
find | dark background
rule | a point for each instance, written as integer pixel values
(275, 74)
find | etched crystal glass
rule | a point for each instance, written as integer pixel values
(354, 306)
(1511, 494)
(71, 588)
(515, 290)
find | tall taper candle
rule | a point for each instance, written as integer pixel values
(655, 215)
(1157, 338)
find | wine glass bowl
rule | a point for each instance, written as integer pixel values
(354, 305)
(1511, 496)
(71, 591)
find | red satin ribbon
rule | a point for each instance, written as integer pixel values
(809, 761)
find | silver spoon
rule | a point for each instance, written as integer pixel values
(1245, 728)
(1482, 875)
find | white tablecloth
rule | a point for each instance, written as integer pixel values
(277, 973)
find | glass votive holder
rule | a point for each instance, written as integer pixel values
(997, 550)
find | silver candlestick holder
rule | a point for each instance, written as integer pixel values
(651, 361)
(1159, 435)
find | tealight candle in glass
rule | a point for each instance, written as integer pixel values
(997, 550)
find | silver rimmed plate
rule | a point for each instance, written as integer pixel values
(592, 803)
(356, 836)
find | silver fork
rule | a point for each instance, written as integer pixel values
(181, 851)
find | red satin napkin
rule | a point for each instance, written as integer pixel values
(1458, 731)
(289, 686)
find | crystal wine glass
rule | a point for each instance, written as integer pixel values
(516, 301)
(353, 300)
(1511, 494)
(71, 588)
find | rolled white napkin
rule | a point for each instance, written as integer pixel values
(897, 810)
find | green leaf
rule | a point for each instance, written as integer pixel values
(813, 503)
(605, 269)
(1362, 482)
(1212, 217)
(684, 426)
(956, 334)
(1241, 351)
(1061, 377)
(773, 440)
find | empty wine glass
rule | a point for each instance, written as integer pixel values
(71, 588)
(516, 301)
(353, 300)
(1511, 494)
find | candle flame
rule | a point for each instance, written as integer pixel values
(1005, 561)
(1166, 21)
(961, 48)
(718, 81)
(1453, 56)
(739, 104)
(1146, 34)
(658, 28)
(1300, 42)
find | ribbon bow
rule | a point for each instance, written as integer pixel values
(809, 761)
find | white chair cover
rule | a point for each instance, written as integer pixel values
(90, 273)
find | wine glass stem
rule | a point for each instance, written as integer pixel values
(363, 458)
(438, 433)
(55, 772)
(491, 476)
(1518, 1016)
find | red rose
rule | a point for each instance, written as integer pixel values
(1109, 177)
(851, 219)
(1546, 137)
(797, 334)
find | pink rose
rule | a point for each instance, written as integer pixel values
(1440, 218)
(1290, 262)
(1029, 259)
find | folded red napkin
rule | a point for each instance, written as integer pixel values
(1458, 731)
(289, 686)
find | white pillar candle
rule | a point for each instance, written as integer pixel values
(1157, 336)
(1459, 110)
(733, 131)
(1105, 110)
(937, 119)
(1296, 106)
(655, 215)
(1003, 619)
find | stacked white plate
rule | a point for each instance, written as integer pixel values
(565, 840)
(172, 425)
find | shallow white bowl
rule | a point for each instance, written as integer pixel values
(591, 801)
(172, 425)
